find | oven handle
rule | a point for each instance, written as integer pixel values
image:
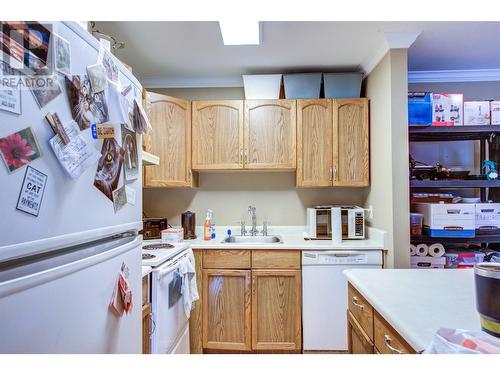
(164, 272)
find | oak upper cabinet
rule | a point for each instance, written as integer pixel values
(351, 154)
(170, 139)
(270, 134)
(276, 309)
(314, 142)
(227, 309)
(217, 134)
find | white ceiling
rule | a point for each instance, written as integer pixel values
(181, 54)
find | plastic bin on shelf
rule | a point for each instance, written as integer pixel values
(302, 86)
(262, 86)
(342, 85)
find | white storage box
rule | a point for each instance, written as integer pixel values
(342, 85)
(448, 219)
(495, 112)
(172, 235)
(302, 86)
(447, 109)
(427, 262)
(487, 215)
(262, 86)
(477, 113)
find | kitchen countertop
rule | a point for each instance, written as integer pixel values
(293, 238)
(417, 302)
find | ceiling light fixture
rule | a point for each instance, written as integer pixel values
(240, 32)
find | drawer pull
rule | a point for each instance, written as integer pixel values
(387, 342)
(355, 303)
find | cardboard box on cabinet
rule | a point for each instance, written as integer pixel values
(447, 109)
(477, 113)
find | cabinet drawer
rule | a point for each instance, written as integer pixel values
(222, 259)
(278, 259)
(361, 310)
(387, 340)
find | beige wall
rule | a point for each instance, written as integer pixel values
(205, 93)
(229, 194)
(386, 87)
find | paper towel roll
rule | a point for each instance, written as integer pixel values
(413, 249)
(436, 250)
(422, 250)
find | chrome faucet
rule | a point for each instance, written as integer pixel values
(252, 211)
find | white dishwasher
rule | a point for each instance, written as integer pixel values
(324, 295)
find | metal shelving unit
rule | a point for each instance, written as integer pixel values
(484, 134)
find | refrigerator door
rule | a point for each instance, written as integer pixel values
(61, 304)
(72, 211)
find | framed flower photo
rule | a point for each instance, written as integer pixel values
(19, 148)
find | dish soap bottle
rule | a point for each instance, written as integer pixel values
(207, 235)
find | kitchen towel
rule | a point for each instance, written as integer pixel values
(436, 250)
(422, 250)
(189, 288)
(413, 249)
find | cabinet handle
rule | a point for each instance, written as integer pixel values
(153, 325)
(241, 156)
(246, 156)
(331, 174)
(355, 303)
(334, 173)
(387, 342)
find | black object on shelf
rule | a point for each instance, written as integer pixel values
(452, 133)
(454, 184)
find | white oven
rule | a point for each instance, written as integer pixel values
(171, 325)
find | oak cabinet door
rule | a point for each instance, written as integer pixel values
(314, 142)
(170, 139)
(351, 142)
(146, 329)
(270, 134)
(217, 134)
(276, 310)
(226, 309)
(358, 341)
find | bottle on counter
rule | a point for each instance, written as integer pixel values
(207, 226)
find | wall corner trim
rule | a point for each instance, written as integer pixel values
(391, 40)
(473, 75)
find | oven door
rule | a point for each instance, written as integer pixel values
(168, 307)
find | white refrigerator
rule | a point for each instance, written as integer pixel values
(58, 270)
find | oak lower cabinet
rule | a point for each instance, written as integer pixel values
(217, 131)
(170, 139)
(276, 310)
(270, 134)
(226, 309)
(251, 302)
(333, 142)
(368, 332)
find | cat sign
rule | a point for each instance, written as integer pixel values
(30, 197)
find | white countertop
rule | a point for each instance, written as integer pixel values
(417, 302)
(293, 238)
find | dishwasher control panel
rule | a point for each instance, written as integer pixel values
(340, 257)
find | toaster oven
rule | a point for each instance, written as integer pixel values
(321, 220)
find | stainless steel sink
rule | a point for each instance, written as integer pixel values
(253, 239)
